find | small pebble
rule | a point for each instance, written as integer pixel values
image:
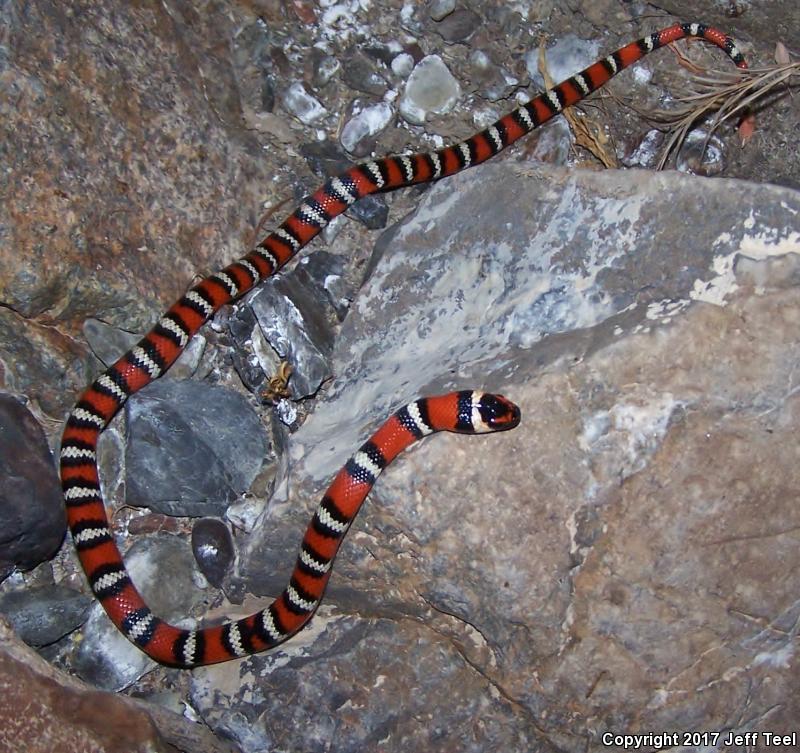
(212, 546)
(403, 64)
(325, 67)
(439, 9)
(360, 73)
(358, 132)
(458, 26)
(701, 154)
(430, 88)
(302, 105)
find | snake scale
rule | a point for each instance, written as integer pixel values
(465, 411)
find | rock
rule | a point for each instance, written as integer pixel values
(382, 53)
(430, 88)
(192, 448)
(484, 117)
(297, 324)
(313, 295)
(108, 343)
(325, 158)
(106, 244)
(325, 67)
(147, 153)
(253, 68)
(305, 107)
(189, 361)
(37, 362)
(625, 559)
(362, 74)
(327, 273)
(32, 518)
(646, 152)
(459, 25)
(702, 153)
(371, 211)
(359, 132)
(496, 82)
(212, 546)
(51, 711)
(251, 371)
(245, 514)
(186, 366)
(438, 9)
(402, 65)
(42, 615)
(371, 713)
(266, 98)
(104, 657)
(553, 144)
(153, 522)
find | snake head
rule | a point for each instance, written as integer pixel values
(493, 412)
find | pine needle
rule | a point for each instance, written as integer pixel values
(723, 94)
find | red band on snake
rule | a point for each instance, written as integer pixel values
(466, 412)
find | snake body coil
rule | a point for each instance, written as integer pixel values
(466, 412)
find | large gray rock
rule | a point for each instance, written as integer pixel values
(32, 518)
(193, 448)
(40, 616)
(625, 561)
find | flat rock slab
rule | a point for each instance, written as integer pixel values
(507, 268)
(193, 448)
(626, 559)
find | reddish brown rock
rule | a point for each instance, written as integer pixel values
(43, 710)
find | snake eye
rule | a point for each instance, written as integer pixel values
(497, 412)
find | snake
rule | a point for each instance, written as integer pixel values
(465, 411)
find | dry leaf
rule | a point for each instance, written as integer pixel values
(781, 54)
(746, 128)
(304, 11)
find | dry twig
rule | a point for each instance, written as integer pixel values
(588, 133)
